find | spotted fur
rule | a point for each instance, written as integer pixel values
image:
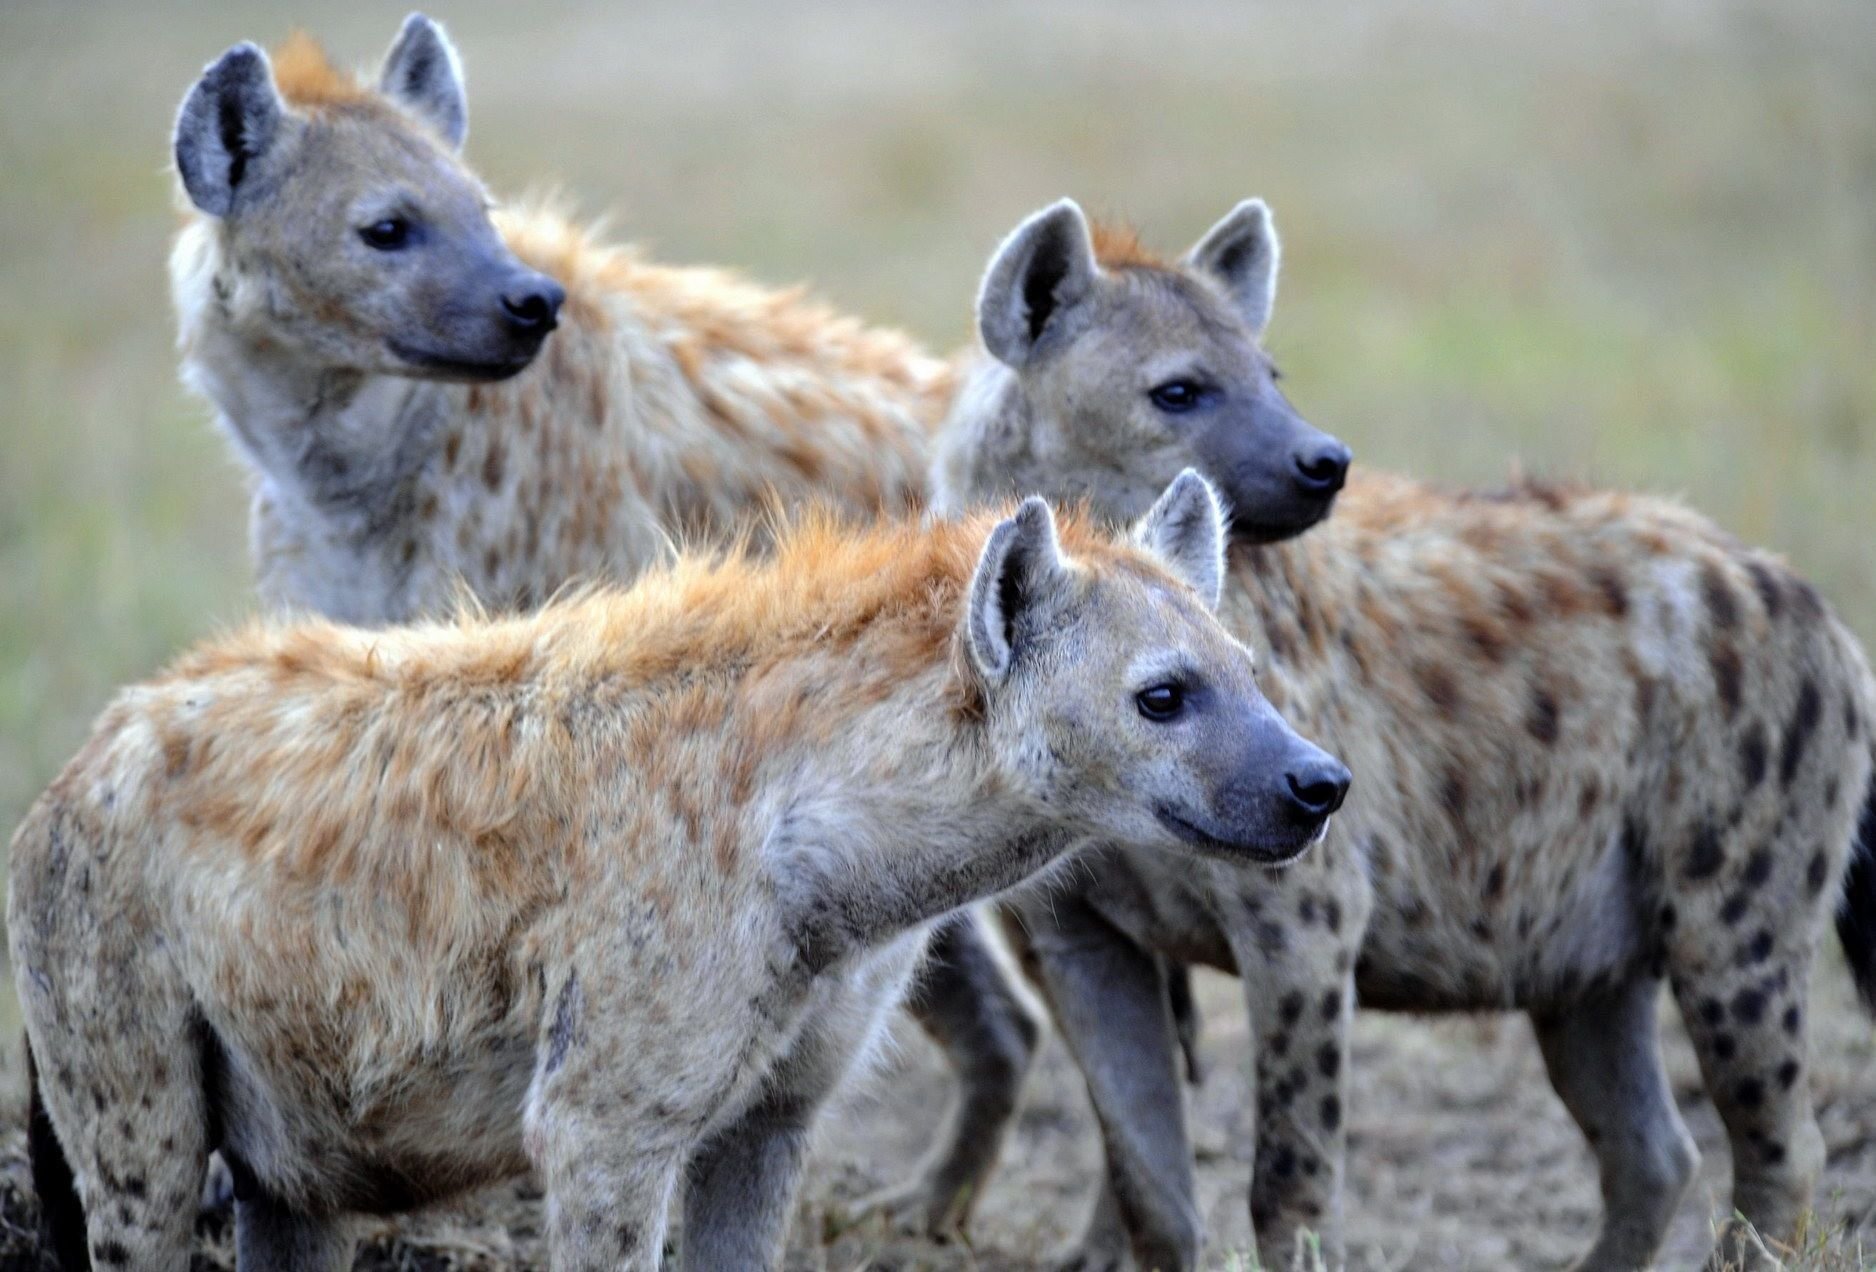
(612, 890)
(1599, 745)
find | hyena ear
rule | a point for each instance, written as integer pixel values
(1044, 268)
(1242, 253)
(1185, 528)
(229, 121)
(423, 74)
(1021, 564)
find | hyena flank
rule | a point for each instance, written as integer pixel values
(1600, 745)
(379, 353)
(611, 890)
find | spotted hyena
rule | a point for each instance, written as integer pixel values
(1600, 745)
(377, 346)
(615, 890)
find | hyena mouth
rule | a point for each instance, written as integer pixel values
(1212, 845)
(443, 367)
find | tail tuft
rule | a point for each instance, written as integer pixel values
(1856, 912)
(61, 1214)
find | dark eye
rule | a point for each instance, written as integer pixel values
(1161, 702)
(1176, 396)
(387, 235)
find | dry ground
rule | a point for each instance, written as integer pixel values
(1626, 243)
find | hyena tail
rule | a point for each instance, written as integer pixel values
(61, 1213)
(1856, 912)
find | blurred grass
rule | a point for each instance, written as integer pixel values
(1632, 245)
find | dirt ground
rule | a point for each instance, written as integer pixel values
(1459, 1158)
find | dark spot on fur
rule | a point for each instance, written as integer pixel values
(1758, 868)
(1815, 873)
(566, 1031)
(1712, 1011)
(1735, 908)
(1798, 732)
(629, 1236)
(1721, 604)
(494, 464)
(1328, 1059)
(1280, 1044)
(1726, 676)
(1306, 910)
(1752, 754)
(1331, 1004)
(1669, 917)
(1454, 791)
(1542, 719)
(1723, 1046)
(1772, 1153)
(1850, 721)
(1748, 1006)
(1609, 586)
(1482, 928)
(1793, 1018)
(1332, 915)
(1290, 1010)
(1787, 1074)
(1750, 1093)
(1832, 789)
(113, 1252)
(1331, 1112)
(1704, 859)
(1283, 1162)
(1766, 583)
(1759, 949)
(1495, 882)
(1440, 687)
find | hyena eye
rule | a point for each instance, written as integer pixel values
(1176, 396)
(387, 235)
(1161, 703)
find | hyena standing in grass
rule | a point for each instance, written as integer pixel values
(607, 890)
(1601, 745)
(351, 309)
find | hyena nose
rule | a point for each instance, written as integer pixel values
(1318, 787)
(1323, 467)
(534, 309)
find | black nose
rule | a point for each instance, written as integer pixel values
(534, 309)
(1322, 468)
(1318, 788)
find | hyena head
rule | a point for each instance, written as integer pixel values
(1130, 369)
(351, 233)
(1113, 695)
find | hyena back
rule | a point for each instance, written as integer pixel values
(1600, 745)
(384, 914)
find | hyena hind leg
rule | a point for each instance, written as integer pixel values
(269, 1234)
(1604, 1058)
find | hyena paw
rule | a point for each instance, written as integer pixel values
(918, 1207)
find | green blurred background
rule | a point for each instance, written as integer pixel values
(1626, 243)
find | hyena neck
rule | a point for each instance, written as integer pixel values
(866, 851)
(984, 444)
(1290, 602)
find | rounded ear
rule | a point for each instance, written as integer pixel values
(1241, 252)
(1042, 269)
(228, 122)
(1185, 528)
(423, 74)
(1021, 563)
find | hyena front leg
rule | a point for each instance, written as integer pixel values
(965, 1002)
(1294, 936)
(609, 1159)
(1108, 997)
(1604, 1058)
(269, 1234)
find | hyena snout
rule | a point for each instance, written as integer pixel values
(1270, 795)
(1321, 465)
(531, 305)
